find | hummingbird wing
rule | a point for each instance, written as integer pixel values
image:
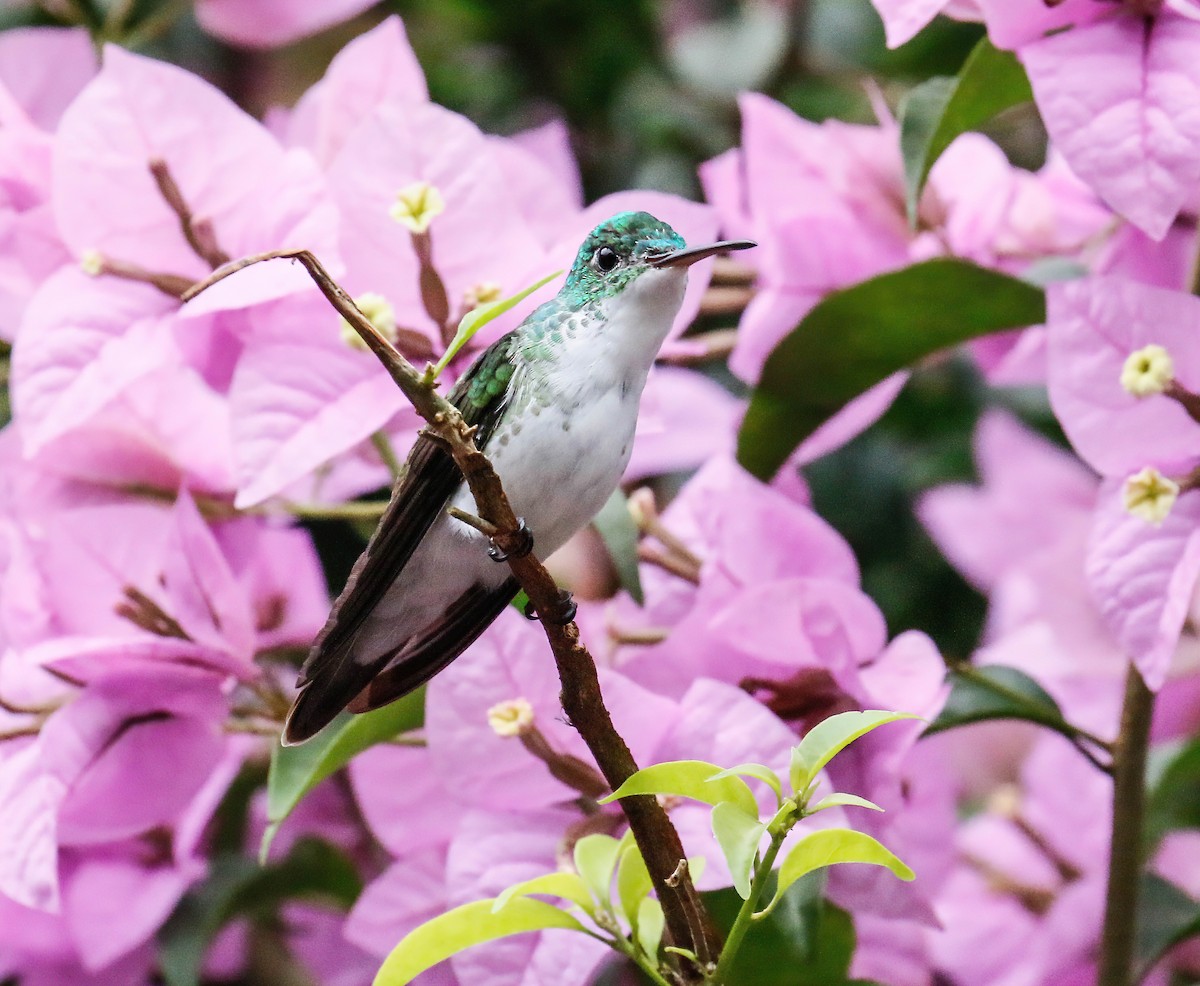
(331, 675)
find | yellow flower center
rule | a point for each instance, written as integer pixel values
(416, 206)
(510, 718)
(1147, 371)
(1150, 495)
(379, 312)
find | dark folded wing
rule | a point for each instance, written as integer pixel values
(330, 675)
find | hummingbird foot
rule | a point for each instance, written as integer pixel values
(514, 545)
(563, 613)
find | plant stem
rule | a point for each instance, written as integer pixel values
(1125, 853)
(745, 915)
(388, 454)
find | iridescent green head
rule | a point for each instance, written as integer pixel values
(618, 250)
(630, 243)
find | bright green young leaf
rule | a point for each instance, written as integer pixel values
(829, 846)
(470, 924)
(633, 883)
(693, 779)
(758, 772)
(479, 316)
(843, 801)
(1166, 917)
(994, 691)
(940, 109)
(296, 770)
(565, 885)
(620, 536)
(829, 737)
(595, 859)
(650, 923)
(854, 338)
(738, 835)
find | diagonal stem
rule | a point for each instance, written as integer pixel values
(687, 920)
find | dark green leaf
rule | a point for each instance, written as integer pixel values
(1166, 917)
(620, 535)
(1174, 800)
(296, 770)
(235, 886)
(995, 691)
(805, 941)
(855, 338)
(940, 109)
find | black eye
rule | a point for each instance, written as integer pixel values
(605, 259)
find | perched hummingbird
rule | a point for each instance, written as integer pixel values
(555, 403)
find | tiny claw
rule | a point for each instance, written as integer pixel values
(515, 545)
(563, 613)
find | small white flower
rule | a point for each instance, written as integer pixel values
(416, 206)
(510, 718)
(1150, 495)
(1147, 371)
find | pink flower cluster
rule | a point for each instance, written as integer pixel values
(154, 586)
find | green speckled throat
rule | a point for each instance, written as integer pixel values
(633, 237)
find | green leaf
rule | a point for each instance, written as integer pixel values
(296, 770)
(853, 339)
(758, 772)
(843, 801)
(620, 536)
(739, 835)
(1174, 800)
(650, 924)
(829, 846)
(693, 779)
(469, 924)
(565, 885)
(312, 870)
(995, 691)
(633, 883)
(479, 316)
(595, 859)
(804, 941)
(940, 109)
(829, 737)
(1166, 916)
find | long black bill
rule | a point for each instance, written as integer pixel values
(689, 255)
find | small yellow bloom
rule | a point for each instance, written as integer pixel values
(510, 718)
(416, 206)
(92, 263)
(379, 312)
(481, 294)
(1147, 371)
(1150, 495)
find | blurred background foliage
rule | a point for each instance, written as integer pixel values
(648, 88)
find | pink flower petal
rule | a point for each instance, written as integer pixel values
(1094, 326)
(375, 69)
(1119, 99)
(270, 23)
(1144, 577)
(44, 68)
(31, 797)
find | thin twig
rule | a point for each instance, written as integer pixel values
(687, 920)
(198, 233)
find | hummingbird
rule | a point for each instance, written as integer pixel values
(554, 404)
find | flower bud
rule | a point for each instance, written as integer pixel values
(510, 718)
(1150, 495)
(1147, 371)
(482, 293)
(416, 206)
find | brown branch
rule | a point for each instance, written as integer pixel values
(687, 920)
(1118, 936)
(199, 233)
